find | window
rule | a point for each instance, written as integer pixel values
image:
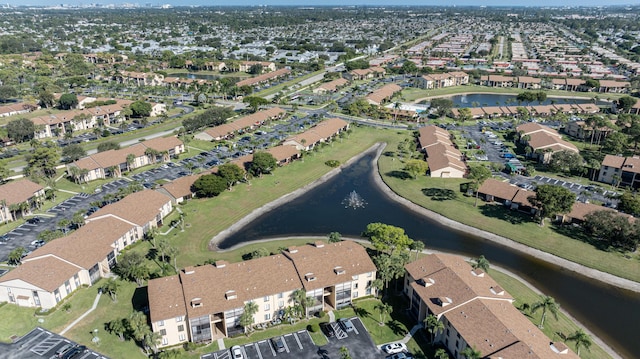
(448, 332)
(266, 299)
(56, 293)
(163, 332)
(182, 337)
(457, 343)
(179, 319)
(370, 274)
(281, 304)
(281, 295)
(165, 341)
(368, 291)
(161, 323)
(76, 279)
(181, 328)
(355, 277)
(355, 285)
(267, 316)
(267, 306)
(458, 336)
(355, 294)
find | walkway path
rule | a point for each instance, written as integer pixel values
(95, 304)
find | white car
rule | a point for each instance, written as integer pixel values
(394, 348)
(236, 352)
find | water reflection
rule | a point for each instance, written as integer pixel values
(320, 211)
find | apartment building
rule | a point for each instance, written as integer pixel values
(624, 171)
(475, 310)
(205, 303)
(18, 198)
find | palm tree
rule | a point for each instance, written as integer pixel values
(547, 304)
(151, 341)
(111, 287)
(384, 310)
(130, 159)
(471, 353)
(118, 327)
(417, 246)
(581, 339)
(482, 263)
(247, 319)
(434, 326)
(441, 354)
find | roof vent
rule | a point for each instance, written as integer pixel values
(231, 294)
(189, 271)
(477, 272)
(196, 302)
(497, 290)
(309, 277)
(220, 264)
(319, 244)
(292, 249)
(559, 347)
(444, 301)
(339, 270)
(425, 282)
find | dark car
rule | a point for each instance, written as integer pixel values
(278, 344)
(75, 352)
(33, 220)
(327, 329)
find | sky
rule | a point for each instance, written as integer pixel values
(335, 2)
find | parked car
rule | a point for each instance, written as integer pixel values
(278, 344)
(33, 220)
(394, 348)
(346, 324)
(74, 352)
(398, 356)
(327, 329)
(236, 352)
(62, 351)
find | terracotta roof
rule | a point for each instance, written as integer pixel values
(522, 197)
(321, 131)
(264, 77)
(254, 119)
(139, 208)
(631, 164)
(329, 263)
(531, 127)
(166, 299)
(163, 143)
(181, 187)
(613, 161)
(47, 273)
(248, 280)
(333, 85)
(449, 277)
(87, 246)
(579, 210)
(282, 152)
(542, 140)
(18, 191)
(498, 189)
(384, 93)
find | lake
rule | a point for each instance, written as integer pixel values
(612, 313)
(485, 100)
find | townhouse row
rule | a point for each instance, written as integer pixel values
(113, 163)
(52, 272)
(205, 303)
(18, 198)
(566, 84)
(444, 159)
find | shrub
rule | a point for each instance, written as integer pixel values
(332, 163)
(321, 314)
(313, 327)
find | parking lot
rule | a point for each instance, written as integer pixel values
(41, 343)
(300, 345)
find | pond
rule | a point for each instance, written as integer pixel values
(325, 209)
(485, 100)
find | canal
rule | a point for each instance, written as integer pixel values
(611, 313)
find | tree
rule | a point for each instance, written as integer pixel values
(344, 353)
(137, 326)
(15, 256)
(247, 319)
(255, 102)
(625, 103)
(433, 326)
(385, 237)
(384, 309)
(547, 304)
(441, 354)
(109, 145)
(471, 353)
(334, 237)
(615, 143)
(20, 130)
(613, 228)
(263, 162)
(42, 162)
(78, 219)
(566, 161)
(256, 69)
(482, 263)
(592, 84)
(629, 203)
(117, 327)
(7, 93)
(478, 174)
(151, 341)
(111, 287)
(68, 101)
(441, 106)
(4, 172)
(417, 246)
(209, 185)
(140, 109)
(552, 200)
(73, 152)
(581, 340)
(464, 114)
(46, 99)
(416, 167)
(231, 173)
(131, 265)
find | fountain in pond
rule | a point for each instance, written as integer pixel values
(354, 200)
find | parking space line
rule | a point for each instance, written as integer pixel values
(259, 352)
(286, 347)
(295, 335)
(34, 338)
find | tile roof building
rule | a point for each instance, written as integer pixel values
(383, 94)
(322, 132)
(475, 311)
(242, 124)
(14, 193)
(444, 159)
(187, 307)
(544, 141)
(623, 170)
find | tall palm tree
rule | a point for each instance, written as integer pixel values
(482, 263)
(547, 304)
(130, 159)
(471, 353)
(384, 310)
(434, 326)
(581, 339)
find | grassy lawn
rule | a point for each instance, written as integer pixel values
(552, 327)
(510, 224)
